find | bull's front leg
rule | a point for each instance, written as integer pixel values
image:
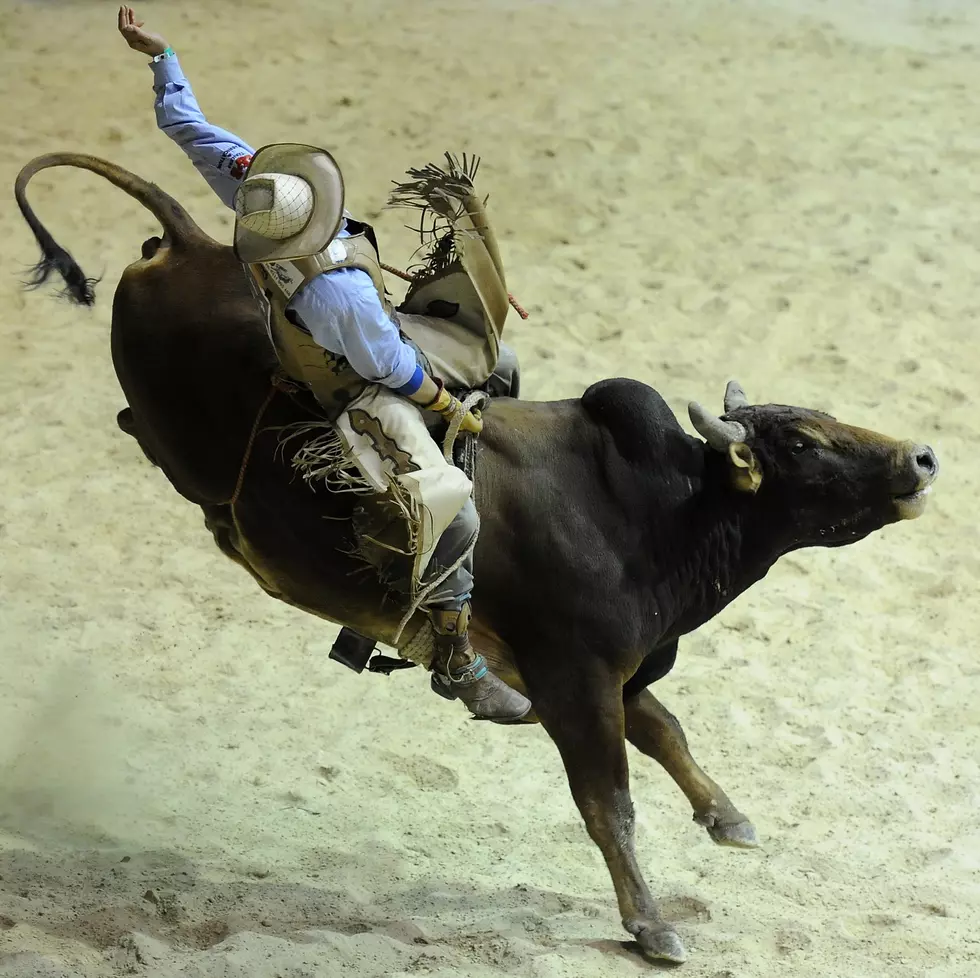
(655, 731)
(582, 710)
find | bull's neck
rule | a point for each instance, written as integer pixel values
(717, 546)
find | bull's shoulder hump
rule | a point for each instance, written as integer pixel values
(625, 405)
(637, 420)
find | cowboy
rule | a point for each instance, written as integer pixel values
(333, 328)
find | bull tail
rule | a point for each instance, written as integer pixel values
(177, 223)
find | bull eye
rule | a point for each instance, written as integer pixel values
(798, 447)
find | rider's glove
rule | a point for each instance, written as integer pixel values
(447, 406)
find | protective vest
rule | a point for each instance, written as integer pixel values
(329, 376)
(453, 315)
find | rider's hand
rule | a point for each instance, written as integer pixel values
(138, 39)
(444, 404)
(472, 422)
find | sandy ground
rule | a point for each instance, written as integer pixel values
(685, 192)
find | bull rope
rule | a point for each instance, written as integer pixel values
(273, 387)
(405, 276)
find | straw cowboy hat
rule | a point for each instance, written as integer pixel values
(290, 204)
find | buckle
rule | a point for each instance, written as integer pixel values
(476, 670)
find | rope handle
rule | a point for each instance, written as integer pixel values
(474, 401)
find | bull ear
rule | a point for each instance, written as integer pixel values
(746, 471)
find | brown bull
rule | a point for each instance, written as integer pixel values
(608, 532)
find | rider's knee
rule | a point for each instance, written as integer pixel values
(505, 381)
(458, 535)
(467, 519)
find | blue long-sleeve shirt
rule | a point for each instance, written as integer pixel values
(341, 308)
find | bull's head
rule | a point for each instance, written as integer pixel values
(838, 482)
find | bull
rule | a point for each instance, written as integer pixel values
(608, 532)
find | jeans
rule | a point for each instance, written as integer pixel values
(457, 588)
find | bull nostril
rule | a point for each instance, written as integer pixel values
(925, 461)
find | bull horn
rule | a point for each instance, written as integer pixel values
(735, 397)
(717, 433)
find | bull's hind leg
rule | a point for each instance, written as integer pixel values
(583, 714)
(654, 730)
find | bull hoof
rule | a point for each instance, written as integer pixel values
(733, 830)
(660, 943)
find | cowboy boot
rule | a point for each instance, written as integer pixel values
(460, 673)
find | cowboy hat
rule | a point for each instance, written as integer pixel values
(289, 205)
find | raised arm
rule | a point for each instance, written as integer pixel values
(218, 155)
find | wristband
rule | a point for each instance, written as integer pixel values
(412, 385)
(167, 52)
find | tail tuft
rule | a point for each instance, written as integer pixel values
(79, 288)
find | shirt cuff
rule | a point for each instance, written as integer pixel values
(165, 71)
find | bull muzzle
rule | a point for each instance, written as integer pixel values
(916, 469)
